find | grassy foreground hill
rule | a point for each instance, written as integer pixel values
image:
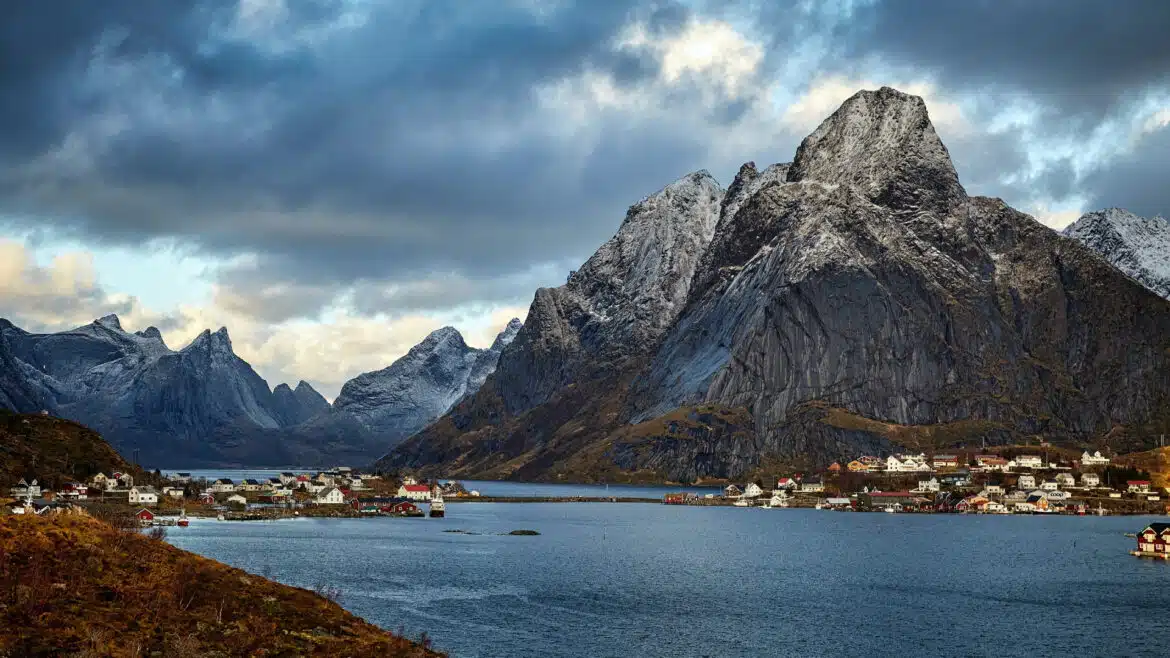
(52, 450)
(73, 585)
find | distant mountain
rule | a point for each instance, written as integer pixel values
(293, 407)
(1138, 246)
(854, 300)
(422, 385)
(204, 405)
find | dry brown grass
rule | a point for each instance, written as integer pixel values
(79, 586)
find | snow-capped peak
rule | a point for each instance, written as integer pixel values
(506, 336)
(1138, 246)
(882, 143)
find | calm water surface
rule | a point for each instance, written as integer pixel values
(652, 580)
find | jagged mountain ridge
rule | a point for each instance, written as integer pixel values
(1138, 246)
(853, 299)
(199, 405)
(422, 385)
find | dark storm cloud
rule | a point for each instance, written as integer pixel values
(352, 143)
(1138, 181)
(1077, 56)
(393, 147)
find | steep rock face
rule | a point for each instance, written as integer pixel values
(422, 385)
(583, 341)
(292, 407)
(1138, 246)
(851, 300)
(621, 300)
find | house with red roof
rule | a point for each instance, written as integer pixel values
(414, 492)
(1138, 486)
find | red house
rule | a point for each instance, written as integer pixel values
(145, 517)
(404, 508)
(1154, 541)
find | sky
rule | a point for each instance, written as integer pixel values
(334, 179)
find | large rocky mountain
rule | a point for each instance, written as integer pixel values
(1138, 246)
(422, 385)
(856, 299)
(203, 405)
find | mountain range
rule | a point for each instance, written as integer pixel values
(204, 405)
(854, 300)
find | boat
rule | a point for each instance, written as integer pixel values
(438, 509)
(183, 522)
(742, 502)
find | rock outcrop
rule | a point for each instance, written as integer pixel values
(854, 300)
(1138, 246)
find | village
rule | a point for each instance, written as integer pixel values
(947, 483)
(340, 491)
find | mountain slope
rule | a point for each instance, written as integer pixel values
(393, 403)
(1138, 246)
(72, 585)
(858, 287)
(53, 451)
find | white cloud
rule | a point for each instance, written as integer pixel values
(826, 94)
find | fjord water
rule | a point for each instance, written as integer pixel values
(630, 579)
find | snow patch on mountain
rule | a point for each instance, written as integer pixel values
(422, 385)
(1138, 246)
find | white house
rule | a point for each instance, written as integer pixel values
(929, 486)
(356, 483)
(26, 489)
(786, 483)
(753, 490)
(1138, 486)
(237, 499)
(315, 488)
(173, 492)
(423, 492)
(812, 485)
(1049, 485)
(330, 496)
(1029, 461)
(409, 481)
(992, 490)
(124, 480)
(144, 496)
(1094, 459)
(287, 478)
(100, 481)
(1066, 480)
(993, 507)
(181, 478)
(1026, 482)
(223, 485)
(1090, 480)
(248, 484)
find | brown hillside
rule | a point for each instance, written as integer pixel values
(52, 450)
(72, 585)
